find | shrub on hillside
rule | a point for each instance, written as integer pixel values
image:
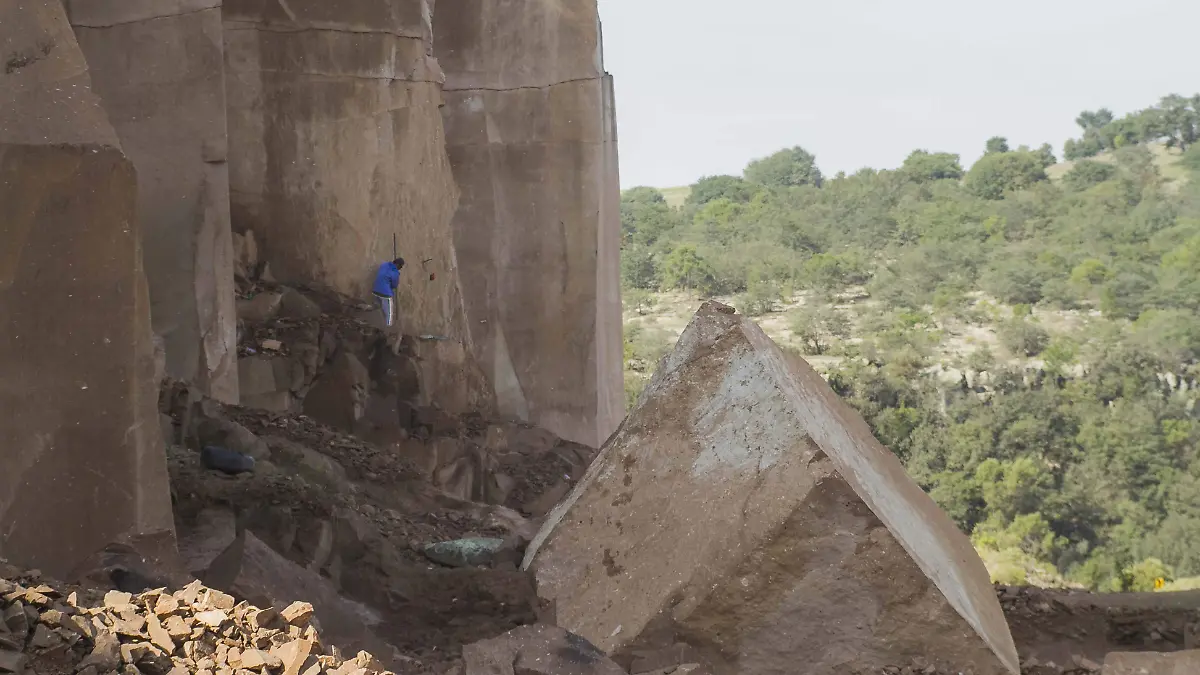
(1088, 172)
(1023, 337)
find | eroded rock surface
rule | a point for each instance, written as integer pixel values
(80, 443)
(158, 70)
(744, 510)
(531, 136)
(1152, 663)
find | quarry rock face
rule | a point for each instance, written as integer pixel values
(79, 437)
(158, 69)
(531, 134)
(1152, 663)
(336, 146)
(743, 510)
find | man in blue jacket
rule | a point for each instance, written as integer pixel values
(386, 282)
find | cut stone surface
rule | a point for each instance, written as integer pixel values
(336, 147)
(1152, 663)
(82, 447)
(743, 509)
(531, 135)
(158, 70)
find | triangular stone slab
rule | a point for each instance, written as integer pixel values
(743, 509)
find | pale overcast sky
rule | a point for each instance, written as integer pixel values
(704, 86)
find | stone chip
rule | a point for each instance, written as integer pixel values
(298, 613)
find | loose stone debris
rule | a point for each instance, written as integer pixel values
(50, 629)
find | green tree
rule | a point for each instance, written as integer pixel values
(711, 188)
(638, 268)
(997, 144)
(1092, 143)
(1014, 280)
(643, 195)
(1046, 153)
(646, 216)
(684, 269)
(1087, 173)
(1024, 337)
(819, 327)
(1000, 172)
(923, 167)
(787, 168)
(1180, 120)
(1171, 335)
(1125, 296)
(762, 296)
(1090, 272)
(1141, 577)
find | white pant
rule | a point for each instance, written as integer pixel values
(385, 305)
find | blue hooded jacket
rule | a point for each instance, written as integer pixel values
(387, 279)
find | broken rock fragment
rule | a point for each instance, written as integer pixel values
(744, 510)
(297, 613)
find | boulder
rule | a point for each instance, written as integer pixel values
(80, 437)
(157, 68)
(339, 396)
(295, 305)
(1152, 663)
(531, 136)
(257, 375)
(470, 552)
(308, 463)
(213, 429)
(261, 308)
(536, 650)
(743, 509)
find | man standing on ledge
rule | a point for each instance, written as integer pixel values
(386, 282)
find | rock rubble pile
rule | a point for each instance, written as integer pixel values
(49, 629)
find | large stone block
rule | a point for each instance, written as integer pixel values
(80, 444)
(1152, 663)
(158, 69)
(337, 147)
(531, 132)
(745, 510)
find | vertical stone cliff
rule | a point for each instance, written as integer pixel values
(158, 68)
(82, 457)
(530, 128)
(336, 144)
